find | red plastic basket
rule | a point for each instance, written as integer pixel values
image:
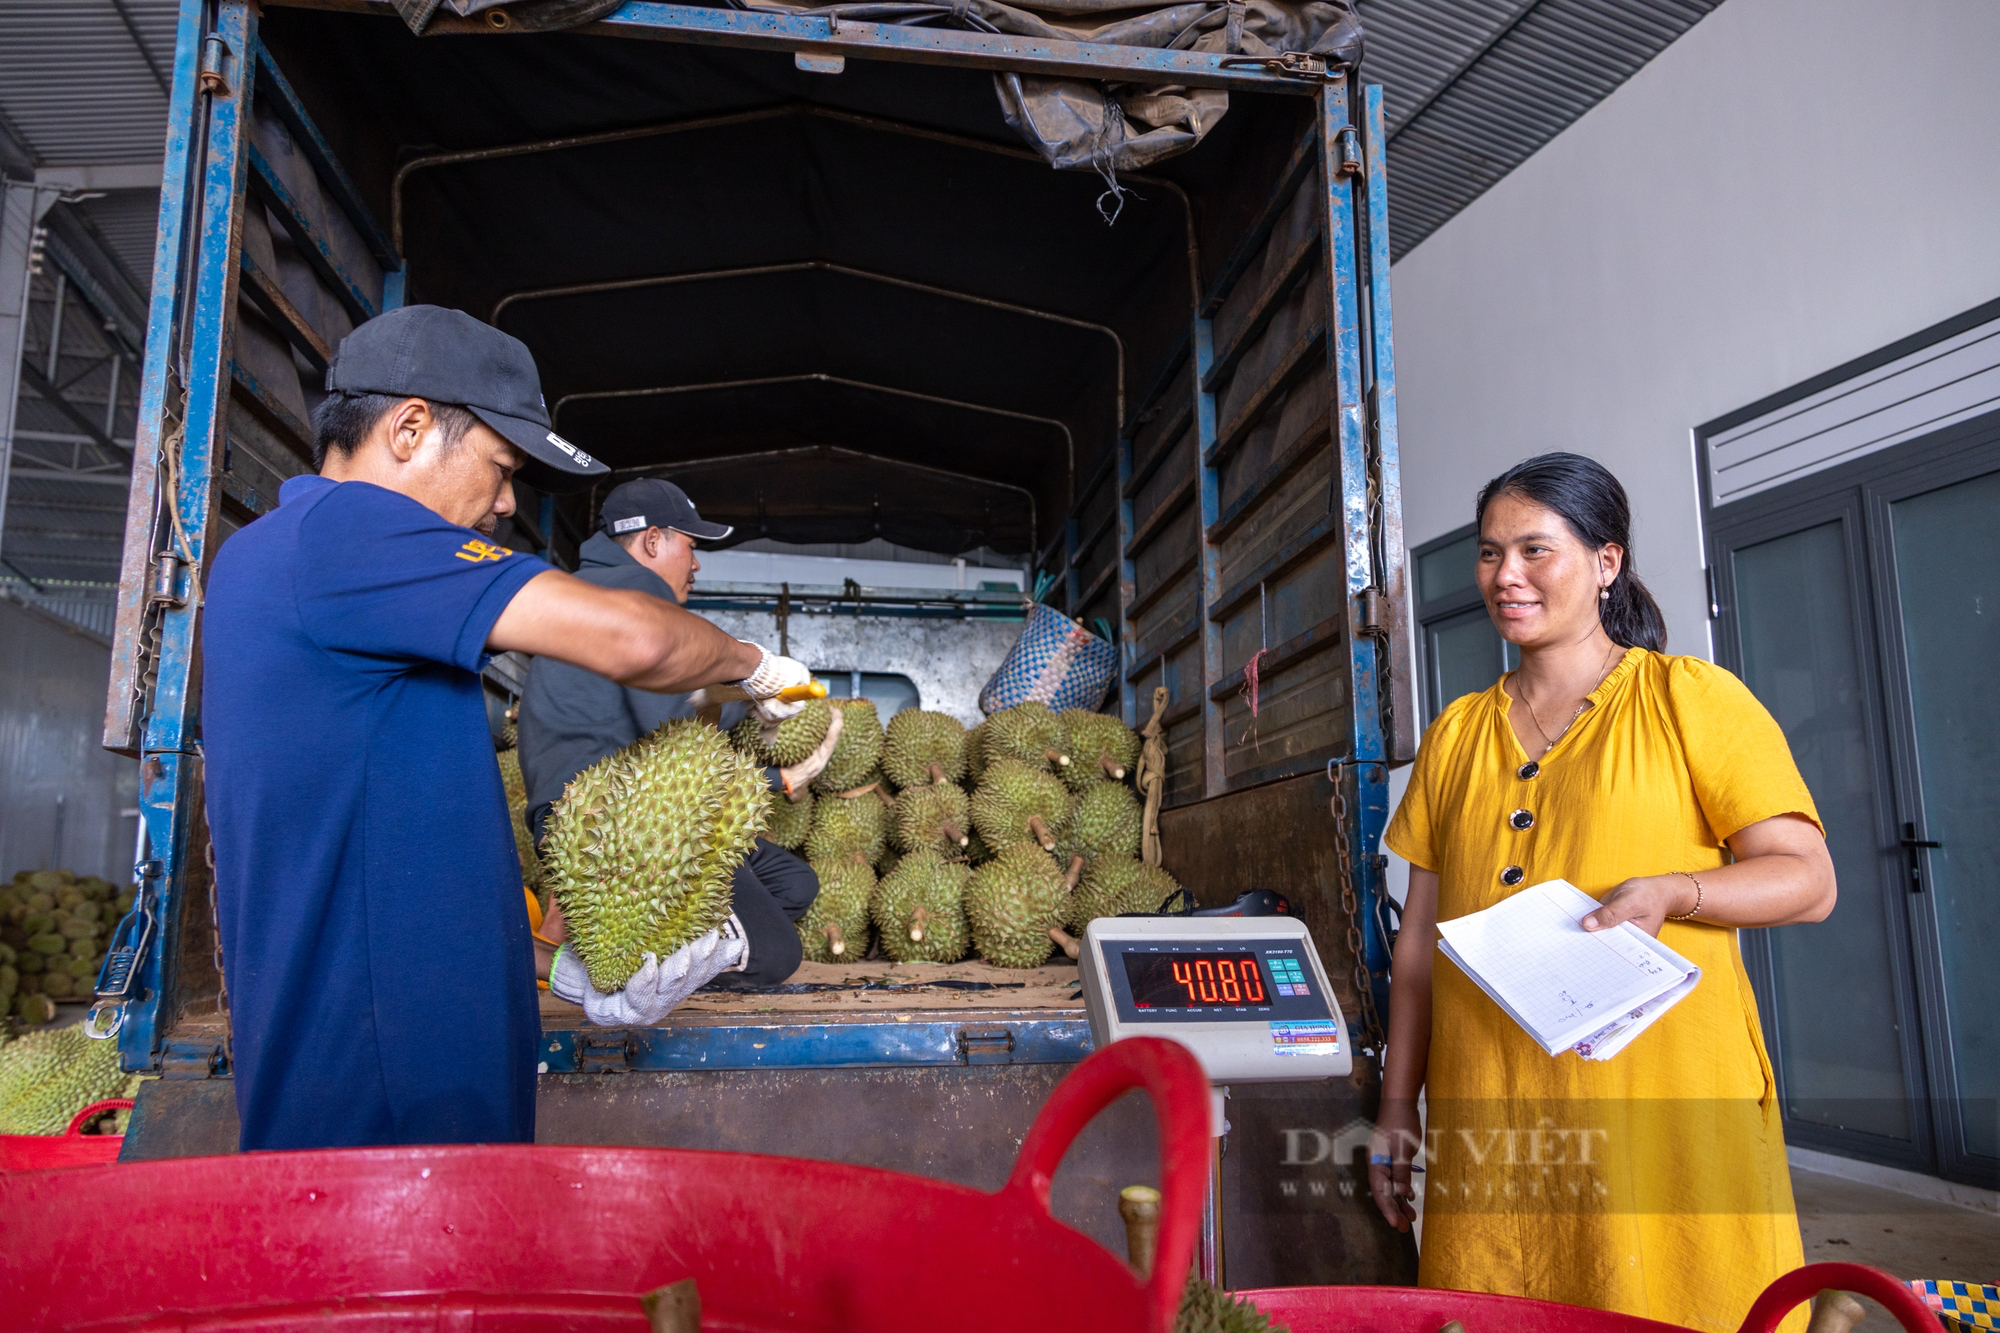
(72, 1147)
(520, 1238)
(1409, 1310)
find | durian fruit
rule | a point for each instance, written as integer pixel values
(1105, 819)
(1101, 748)
(1017, 803)
(790, 820)
(47, 1077)
(847, 826)
(791, 741)
(835, 927)
(1207, 1309)
(935, 815)
(975, 755)
(34, 1008)
(516, 788)
(642, 846)
(885, 864)
(857, 751)
(1016, 905)
(748, 738)
(1115, 885)
(1029, 732)
(919, 909)
(920, 746)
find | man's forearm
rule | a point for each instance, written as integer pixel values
(628, 636)
(694, 653)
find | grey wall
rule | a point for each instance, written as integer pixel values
(52, 681)
(1792, 184)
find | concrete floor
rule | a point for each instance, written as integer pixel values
(1844, 1221)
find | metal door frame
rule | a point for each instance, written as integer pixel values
(1857, 494)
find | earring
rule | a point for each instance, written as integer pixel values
(1604, 594)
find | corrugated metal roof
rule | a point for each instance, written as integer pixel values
(1472, 88)
(76, 83)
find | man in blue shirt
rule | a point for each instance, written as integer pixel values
(381, 980)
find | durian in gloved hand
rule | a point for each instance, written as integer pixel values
(847, 826)
(1116, 885)
(1101, 748)
(919, 908)
(1013, 903)
(1029, 732)
(787, 743)
(642, 847)
(858, 750)
(835, 927)
(936, 815)
(923, 747)
(47, 1077)
(1105, 819)
(1019, 804)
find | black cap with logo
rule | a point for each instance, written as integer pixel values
(447, 356)
(651, 503)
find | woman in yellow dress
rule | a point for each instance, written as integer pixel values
(1653, 1183)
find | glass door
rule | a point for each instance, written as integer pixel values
(1862, 606)
(1945, 544)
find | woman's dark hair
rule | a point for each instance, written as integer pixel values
(1592, 502)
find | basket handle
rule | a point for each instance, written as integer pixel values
(1172, 1077)
(1802, 1284)
(82, 1118)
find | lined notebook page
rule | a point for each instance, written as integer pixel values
(1558, 981)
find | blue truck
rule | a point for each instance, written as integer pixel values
(820, 264)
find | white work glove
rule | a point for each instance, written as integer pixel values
(800, 775)
(773, 675)
(659, 985)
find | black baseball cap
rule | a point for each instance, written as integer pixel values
(447, 356)
(651, 503)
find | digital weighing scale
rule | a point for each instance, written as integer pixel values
(1245, 994)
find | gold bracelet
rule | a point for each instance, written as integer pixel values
(1689, 914)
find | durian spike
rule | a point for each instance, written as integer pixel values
(1074, 873)
(1065, 941)
(1041, 832)
(1056, 757)
(1139, 1205)
(918, 920)
(1112, 768)
(956, 834)
(937, 772)
(834, 940)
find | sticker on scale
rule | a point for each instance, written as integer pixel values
(1314, 1037)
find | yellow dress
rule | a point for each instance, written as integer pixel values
(1653, 1183)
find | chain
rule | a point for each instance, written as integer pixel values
(221, 981)
(1364, 980)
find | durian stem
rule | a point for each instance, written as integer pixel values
(1065, 941)
(1056, 757)
(1112, 768)
(953, 832)
(675, 1308)
(918, 920)
(834, 941)
(1075, 871)
(1041, 832)
(1139, 1205)
(937, 774)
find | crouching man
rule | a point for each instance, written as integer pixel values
(572, 717)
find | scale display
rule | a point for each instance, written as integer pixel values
(1167, 981)
(1246, 994)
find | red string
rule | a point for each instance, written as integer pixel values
(1250, 678)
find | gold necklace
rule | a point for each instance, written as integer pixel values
(1602, 675)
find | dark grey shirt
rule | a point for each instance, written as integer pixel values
(570, 717)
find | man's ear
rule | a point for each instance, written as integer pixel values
(408, 422)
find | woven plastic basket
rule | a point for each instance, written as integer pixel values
(1055, 661)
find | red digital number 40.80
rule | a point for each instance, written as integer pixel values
(1220, 980)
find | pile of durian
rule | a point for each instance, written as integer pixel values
(54, 929)
(47, 1077)
(1004, 840)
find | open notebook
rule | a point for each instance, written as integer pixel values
(1568, 988)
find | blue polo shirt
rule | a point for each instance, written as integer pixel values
(375, 943)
